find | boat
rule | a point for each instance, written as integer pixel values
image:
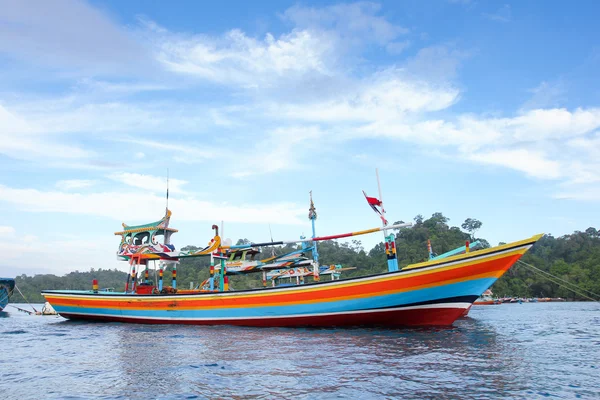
(434, 292)
(486, 299)
(7, 286)
(48, 310)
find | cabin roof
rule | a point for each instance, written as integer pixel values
(153, 226)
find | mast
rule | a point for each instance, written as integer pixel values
(390, 240)
(383, 220)
(312, 215)
(166, 211)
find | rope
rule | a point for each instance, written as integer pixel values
(20, 309)
(16, 287)
(565, 286)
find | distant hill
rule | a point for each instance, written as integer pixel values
(574, 258)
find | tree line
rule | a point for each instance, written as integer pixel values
(574, 258)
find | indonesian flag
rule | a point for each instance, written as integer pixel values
(375, 203)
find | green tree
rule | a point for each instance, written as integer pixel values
(471, 225)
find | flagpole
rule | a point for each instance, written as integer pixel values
(390, 241)
(167, 188)
(312, 215)
(383, 221)
(166, 212)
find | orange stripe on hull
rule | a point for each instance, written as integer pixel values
(395, 283)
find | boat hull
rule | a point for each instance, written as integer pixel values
(7, 286)
(434, 315)
(431, 293)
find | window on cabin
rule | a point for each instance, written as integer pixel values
(158, 238)
(141, 238)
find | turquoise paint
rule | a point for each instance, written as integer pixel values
(457, 251)
(469, 288)
(392, 262)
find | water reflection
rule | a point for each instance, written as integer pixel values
(293, 362)
(512, 353)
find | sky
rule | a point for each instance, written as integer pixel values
(486, 110)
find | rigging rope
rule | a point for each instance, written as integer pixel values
(567, 282)
(21, 309)
(16, 287)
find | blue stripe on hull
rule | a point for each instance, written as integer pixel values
(469, 288)
(3, 298)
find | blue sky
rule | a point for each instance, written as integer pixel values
(488, 110)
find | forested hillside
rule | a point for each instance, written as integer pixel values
(574, 258)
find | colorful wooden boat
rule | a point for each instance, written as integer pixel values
(435, 292)
(7, 285)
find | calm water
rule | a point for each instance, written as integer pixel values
(507, 351)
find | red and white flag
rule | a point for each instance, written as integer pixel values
(376, 205)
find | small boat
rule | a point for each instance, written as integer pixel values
(48, 310)
(7, 286)
(486, 299)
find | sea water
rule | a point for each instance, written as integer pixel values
(522, 351)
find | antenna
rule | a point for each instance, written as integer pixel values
(165, 234)
(167, 189)
(272, 247)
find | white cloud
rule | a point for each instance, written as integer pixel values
(503, 14)
(396, 48)
(71, 184)
(546, 95)
(388, 95)
(78, 114)
(50, 130)
(21, 139)
(240, 60)
(116, 88)
(545, 144)
(355, 21)
(550, 124)
(316, 48)
(50, 34)
(30, 255)
(337, 96)
(148, 182)
(583, 193)
(6, 230)
(534, 164)
(143, 206)
(187, 154)
(437, 64)
(278, 151)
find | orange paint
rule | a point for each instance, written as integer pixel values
(386, 284)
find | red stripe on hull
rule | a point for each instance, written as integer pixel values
(392, 318)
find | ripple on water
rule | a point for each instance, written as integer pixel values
(15, 332)
(509, 351)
